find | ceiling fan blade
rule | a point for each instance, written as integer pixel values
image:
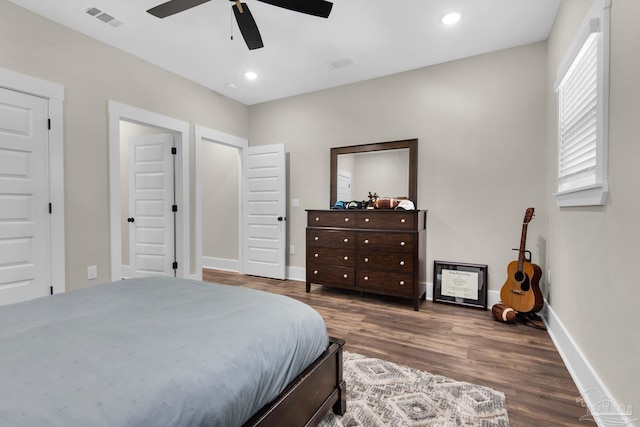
(247, 26)
(319, 8)
(174, 6)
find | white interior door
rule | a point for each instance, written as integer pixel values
(24, 198)
(344, 185)
(264, 211)
(151, 198)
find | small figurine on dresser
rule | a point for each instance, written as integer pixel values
(371, 204)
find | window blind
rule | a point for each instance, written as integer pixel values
(578, 103)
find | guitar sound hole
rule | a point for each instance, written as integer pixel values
(522, 277)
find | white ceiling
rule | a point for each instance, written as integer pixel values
(379, 37)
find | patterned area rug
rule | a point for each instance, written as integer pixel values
(381, 393)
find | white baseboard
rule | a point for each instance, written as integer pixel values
(595, 397)
(297, 273)
(220, 264)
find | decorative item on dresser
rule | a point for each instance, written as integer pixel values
(374, 251)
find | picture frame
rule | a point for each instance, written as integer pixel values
(460, 283)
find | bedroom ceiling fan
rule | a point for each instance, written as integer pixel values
(245, 20)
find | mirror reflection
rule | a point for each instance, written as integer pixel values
(388, 169)
(381, 172)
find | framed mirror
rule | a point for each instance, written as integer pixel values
(358, 169)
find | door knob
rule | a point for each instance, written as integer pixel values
(281, 218)
(130, 219)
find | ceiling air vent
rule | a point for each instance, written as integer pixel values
(103, 16)
(341, 63)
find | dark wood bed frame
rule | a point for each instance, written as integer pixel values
(309, 397)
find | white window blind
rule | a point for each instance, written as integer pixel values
(578, 102)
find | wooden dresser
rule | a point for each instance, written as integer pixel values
(375, 251)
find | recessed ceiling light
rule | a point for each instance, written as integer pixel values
(251, 75)
(451, 18)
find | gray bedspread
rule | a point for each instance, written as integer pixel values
(151, 352)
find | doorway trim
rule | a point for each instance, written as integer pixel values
(203, 135)
(54, 93)
(118, 112)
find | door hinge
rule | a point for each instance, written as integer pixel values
(49, 124)
(174, 150)
(175, 265)
(50, 208)
(51, 289)
(174, 208)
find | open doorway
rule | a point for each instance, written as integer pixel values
(220, 220)
(218, 200)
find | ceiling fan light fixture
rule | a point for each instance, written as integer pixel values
(451, 18)
(250, 75)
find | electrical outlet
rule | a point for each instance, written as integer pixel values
(92, 272)
(292, 250)
(548, 276)
(295, 203)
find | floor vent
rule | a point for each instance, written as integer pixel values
(103, 16)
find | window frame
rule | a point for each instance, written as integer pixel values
(593, 193)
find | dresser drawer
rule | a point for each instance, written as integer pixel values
(383, 282)
(371, 242)
(341, 277)
(396, 220)
(342, 239)
(400, 262)
(341, 219)
(331, 256)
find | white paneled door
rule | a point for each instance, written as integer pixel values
(151, 199)
(264, 211)
(24, 198)
(344, 185)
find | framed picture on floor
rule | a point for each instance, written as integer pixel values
(461, 284)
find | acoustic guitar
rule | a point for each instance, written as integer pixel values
(521, 291)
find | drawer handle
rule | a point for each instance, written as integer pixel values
(346, 258)
(403, 220)
(345, 276)
(366, 277)
(317, 219)
(316, 238)
(401, 282)
(315, 271)
(366, 260)
(366, 220)
(315, 255)
(346, 220)
(401, 262)
(346, 240)
(402, 243)
(366, 240)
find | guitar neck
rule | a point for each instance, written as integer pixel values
(521, 251)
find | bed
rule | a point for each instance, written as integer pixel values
(167, 352)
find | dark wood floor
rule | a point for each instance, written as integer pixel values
(457, 342)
